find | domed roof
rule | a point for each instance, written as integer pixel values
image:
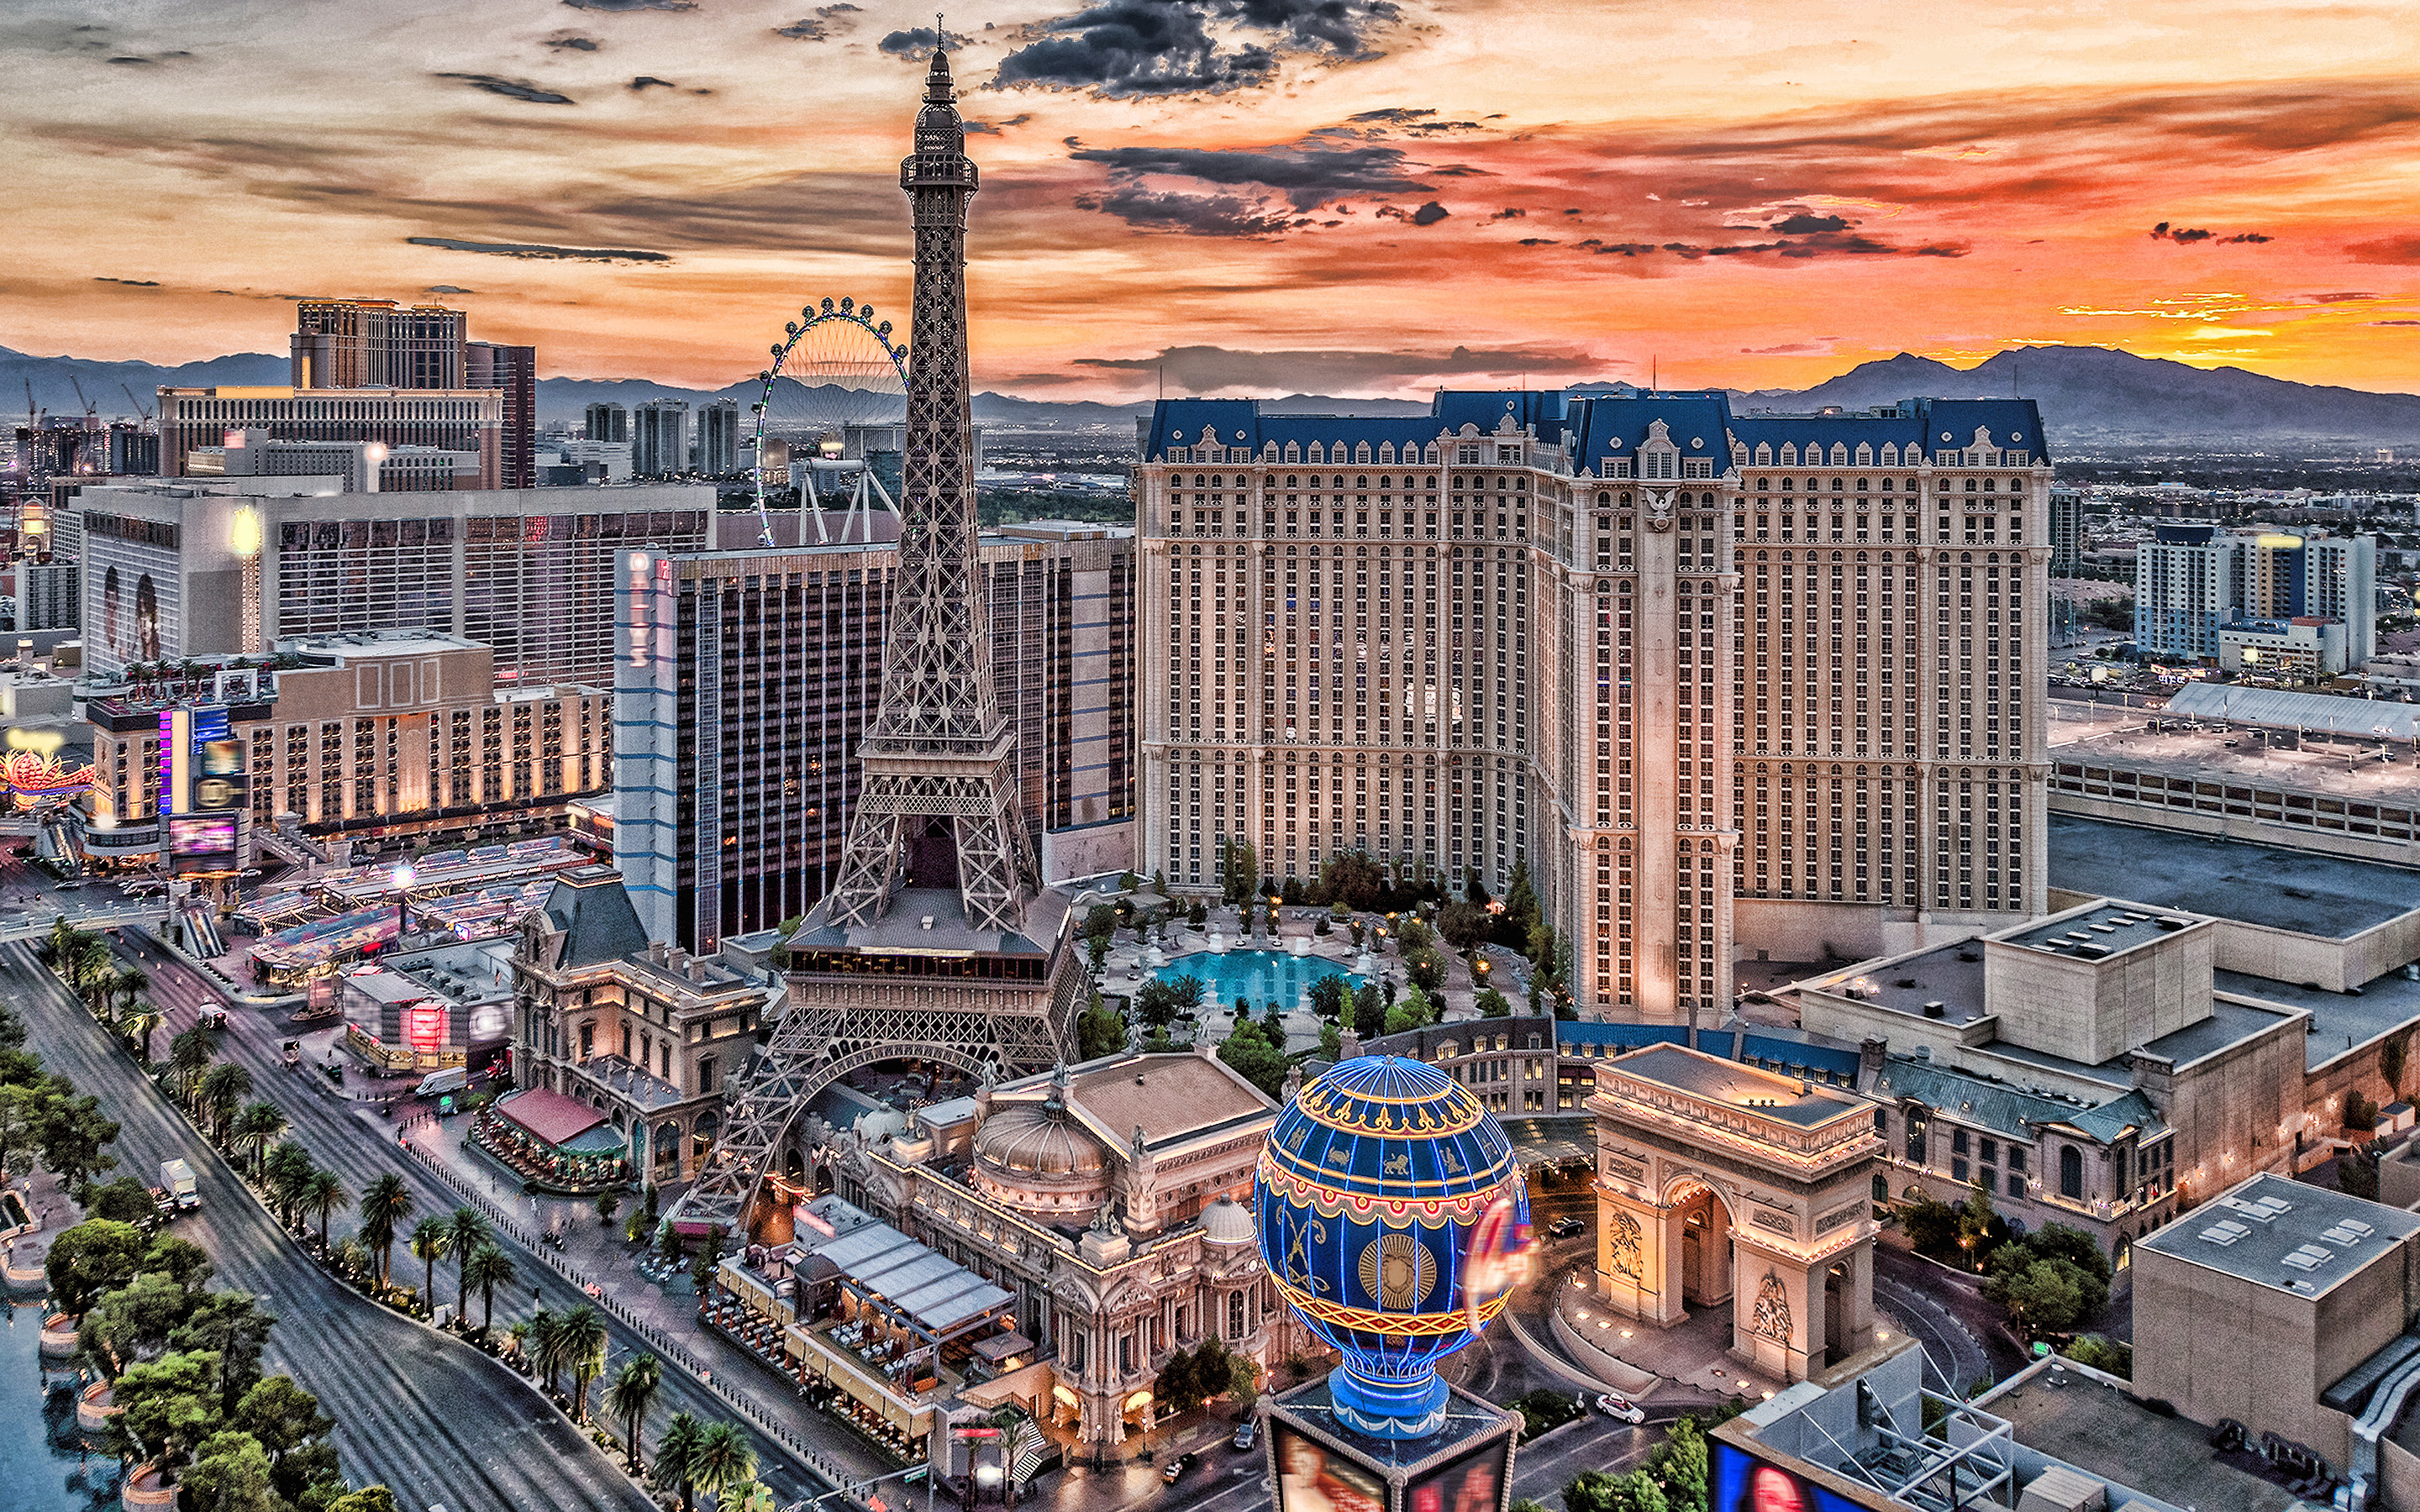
(1225, 1222)
(1039, 1139)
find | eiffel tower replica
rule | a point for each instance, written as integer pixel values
(926, 947)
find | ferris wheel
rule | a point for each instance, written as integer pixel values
(833, 401)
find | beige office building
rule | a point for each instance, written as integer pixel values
(1729, 684)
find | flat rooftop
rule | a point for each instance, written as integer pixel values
(1950, 975)
(2346, 767)
(1805, 1104)
(2229, 1025)
(2104, 930)
(2327, 897)
(2106, 1433)
(2288, 1236)
(2339, 1021)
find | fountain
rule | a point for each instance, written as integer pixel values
(1299, 944)
(1217, 942)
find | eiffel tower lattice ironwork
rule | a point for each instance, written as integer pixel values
(939, 802)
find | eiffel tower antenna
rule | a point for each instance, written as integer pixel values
(939, 805)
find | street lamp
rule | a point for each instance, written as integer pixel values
(404, 878)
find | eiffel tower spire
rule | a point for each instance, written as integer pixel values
(939, 805)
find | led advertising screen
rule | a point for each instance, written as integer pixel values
(1474, 1483)
(1313, 1478)
(201, 842)
(1743, 1482)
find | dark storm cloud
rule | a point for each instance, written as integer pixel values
(1394, 115)
(1206, 369)
(1428, 214)
(532, 250)
(573, 43)
(1306, 173)
(1787, 250)
(2186, 236)
(1805, 225)
(1540, 241)
(1122, 47)
(995, 127)
(648, 81)
(510, 88)
(1508, 215)
(917, 42)
(2394, 251)
(130, 283)
(826, 23)
(1193, 215)
(447, 288)
(2342, 298)
(632, 4)
(2391, 322)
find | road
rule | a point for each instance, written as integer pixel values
(433, 1419)
(358, 1143)
(1928, 1302)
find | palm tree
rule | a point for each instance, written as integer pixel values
(383, 1208)
(322, 1194)
(224, 1088)
(255, 1129)
(677, 1456)
(724, 1460)
(468, 1232)
(189, 1055)
(521, 1333)
(488, 1268)
(139, 1025)
(131, 982)
(432, 1239)
(546, 1343)
(632, 1392)
(64, 940)
(583, 1351)
(93, 972)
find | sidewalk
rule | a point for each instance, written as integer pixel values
(596, 1258)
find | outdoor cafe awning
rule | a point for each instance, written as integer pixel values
(932, 1294)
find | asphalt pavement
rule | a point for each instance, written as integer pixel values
(432, 1418)
(358, 1141)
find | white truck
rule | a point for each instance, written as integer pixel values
(176, 1180)
(439, 1083)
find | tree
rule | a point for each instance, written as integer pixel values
(546, 1343)
(1980, 1228)
(1593, 1491)
(582, 1342)
(608, 1204)
(2110, 1356)
(287, 1173)
(2390, 1063)
(488, 1268)
(125, 1200)
(134, 1321)
(1254, 1059)
(168, 1408)
(282, 1416)
(1369, 1006)
(229, 1326)
(432, 1239)
(368, 1498)
(2357, 1172)
(1213, 1368)
(1465, 925)
(1492, 1004)
(94, 1256)
(185, 1262)
(1239, 871)
(1100, 922)
(223, 1089)
(1520, 907)
(1931, 1224)
(1353, 878)
(1544, 1410)
(383, 1207)
(255, 1128)
(1176, 1385)
(677, 1456)
(189, 1055)
(1427, 967)
(1679, 1465)
(724, 1460)
(139, 1025)
(1099, 1031)
(466, 1231)
(322, 1196)
(628, 1397)
(1327, 994)
(21, 1110)
(72, 1135)
(1162, 1000)
(230, 1473)
(2042, 1296)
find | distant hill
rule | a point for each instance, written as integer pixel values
(2086, 392)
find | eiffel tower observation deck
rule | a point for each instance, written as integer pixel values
(936, 943)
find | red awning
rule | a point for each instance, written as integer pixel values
(548, 1116)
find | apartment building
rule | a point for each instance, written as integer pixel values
(2191, 582)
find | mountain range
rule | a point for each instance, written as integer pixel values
(2087, 393)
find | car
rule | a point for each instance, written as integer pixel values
(1246, 1432)
(1176, 1467)
(211, 1018)
(1565, 1227)
(1620, 1408)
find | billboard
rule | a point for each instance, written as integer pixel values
(425, 1027)
(1313, 1478)
(1474, 1483)
(201, 842)
(1740, 1482)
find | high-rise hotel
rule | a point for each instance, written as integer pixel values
(1730, 684)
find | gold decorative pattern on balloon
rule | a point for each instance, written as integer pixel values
(1366, 1321)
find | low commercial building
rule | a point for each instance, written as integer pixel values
(2302, 649)
(371, 736)
(357, 467)
(451, 420)
(449, 1005)
(644, 1033)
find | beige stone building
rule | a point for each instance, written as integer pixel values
(1726, 684)
(643, 1032)
(1111, 1199)
(371, 736)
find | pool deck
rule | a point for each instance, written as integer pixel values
(1126, 968)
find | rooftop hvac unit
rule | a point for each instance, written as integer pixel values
(2061, 1489)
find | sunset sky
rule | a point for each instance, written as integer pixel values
(1337, 196)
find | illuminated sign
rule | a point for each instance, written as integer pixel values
(1743, 1482)
(1475, 1483)
(201, 842)
(425, 1026)
(1313, 1478)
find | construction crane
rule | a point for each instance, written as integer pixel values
(136, 403)
(91, 410)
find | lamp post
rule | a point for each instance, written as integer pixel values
(404, 878)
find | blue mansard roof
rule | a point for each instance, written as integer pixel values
(1601, 423)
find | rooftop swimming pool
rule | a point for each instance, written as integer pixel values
(1260, 977)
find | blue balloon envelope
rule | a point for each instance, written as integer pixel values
(1391, 1211)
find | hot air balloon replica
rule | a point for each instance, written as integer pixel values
(1393, 1216)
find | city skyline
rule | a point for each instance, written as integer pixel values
(1260, 197)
